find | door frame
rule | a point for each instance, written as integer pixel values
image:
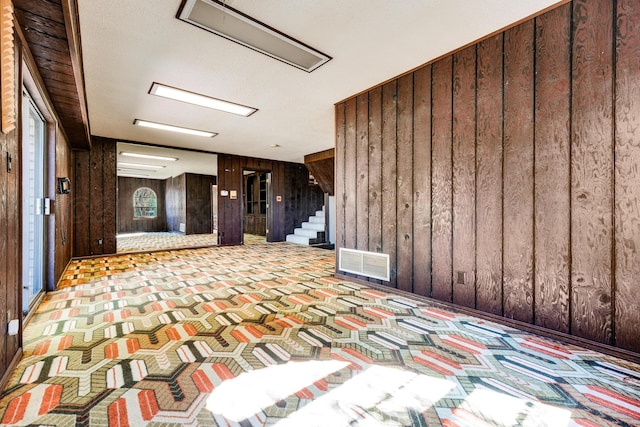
(37, 176)
(34, 87)
(269, 215)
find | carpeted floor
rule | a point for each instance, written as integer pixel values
(264, 335)
(137, 242)
(142, 242)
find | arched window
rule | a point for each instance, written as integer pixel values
(145, 203)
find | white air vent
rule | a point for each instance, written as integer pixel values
(225, 21)
(370, 264)
(183, 227)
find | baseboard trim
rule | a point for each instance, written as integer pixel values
(10, 369)
(548, 333)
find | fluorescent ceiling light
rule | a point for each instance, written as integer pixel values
(221, 19)
(133, 170)
(140, 165)
(133, 175)
(170, 128)
(148, 156)
(198, 99)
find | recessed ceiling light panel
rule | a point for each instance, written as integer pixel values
(132, 175)
(140, 166)
(148, 156)
(198, 99)
(171, 128)
(218, 18)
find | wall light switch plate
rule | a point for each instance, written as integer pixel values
(13, 327)
(462, 278)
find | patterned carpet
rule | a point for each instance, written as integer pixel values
(137, 242)
(264, 335)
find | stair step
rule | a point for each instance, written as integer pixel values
(306, 232)
(317, 219)
(313, 226)
(300, 240)
(311, 232)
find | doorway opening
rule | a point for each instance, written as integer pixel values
(34, 204)
(256, 191)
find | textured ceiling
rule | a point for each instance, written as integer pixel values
(129, 44)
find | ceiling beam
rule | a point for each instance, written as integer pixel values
(52, 31)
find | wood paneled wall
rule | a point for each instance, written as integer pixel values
(63, 210)
(10, 245)
(188, 198)
(94, 191)
(176, 209)
(301, 200)
(505, 178)
(58, 241)
(198, 202)
(294, 196)
(126, 222)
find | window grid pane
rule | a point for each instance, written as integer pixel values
(145, 203)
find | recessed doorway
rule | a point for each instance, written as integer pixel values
(255, 212)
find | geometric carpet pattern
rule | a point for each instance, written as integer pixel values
(153, 241)
(265, 335)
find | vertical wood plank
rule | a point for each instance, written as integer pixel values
(389, 175)
(340, 162)
(362, 172)
(222, 201)
(5, 258)
(109, 171)
(422, 181)
(13, 302)
(350, 170)
(236, 238)
(63, 216)
(552, 166)
(489, 176)
(405, 184)
(81, 197)
(627, 178)
(96, 203)
(591, 171)
(464, 169)
(10, 286)
(518, 172)
(228, 217)
(375, 170)
(275, 221)
(14, 236)
(441, 184)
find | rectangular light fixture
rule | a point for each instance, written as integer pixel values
(141, 166)
(132, 175)
(134, 170)
(147, 156)
(198, 99)
(219, 18)
(171, 128)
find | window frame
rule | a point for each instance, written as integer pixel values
(137, 215)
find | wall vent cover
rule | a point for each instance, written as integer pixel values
(225, 21)
(370, 264)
